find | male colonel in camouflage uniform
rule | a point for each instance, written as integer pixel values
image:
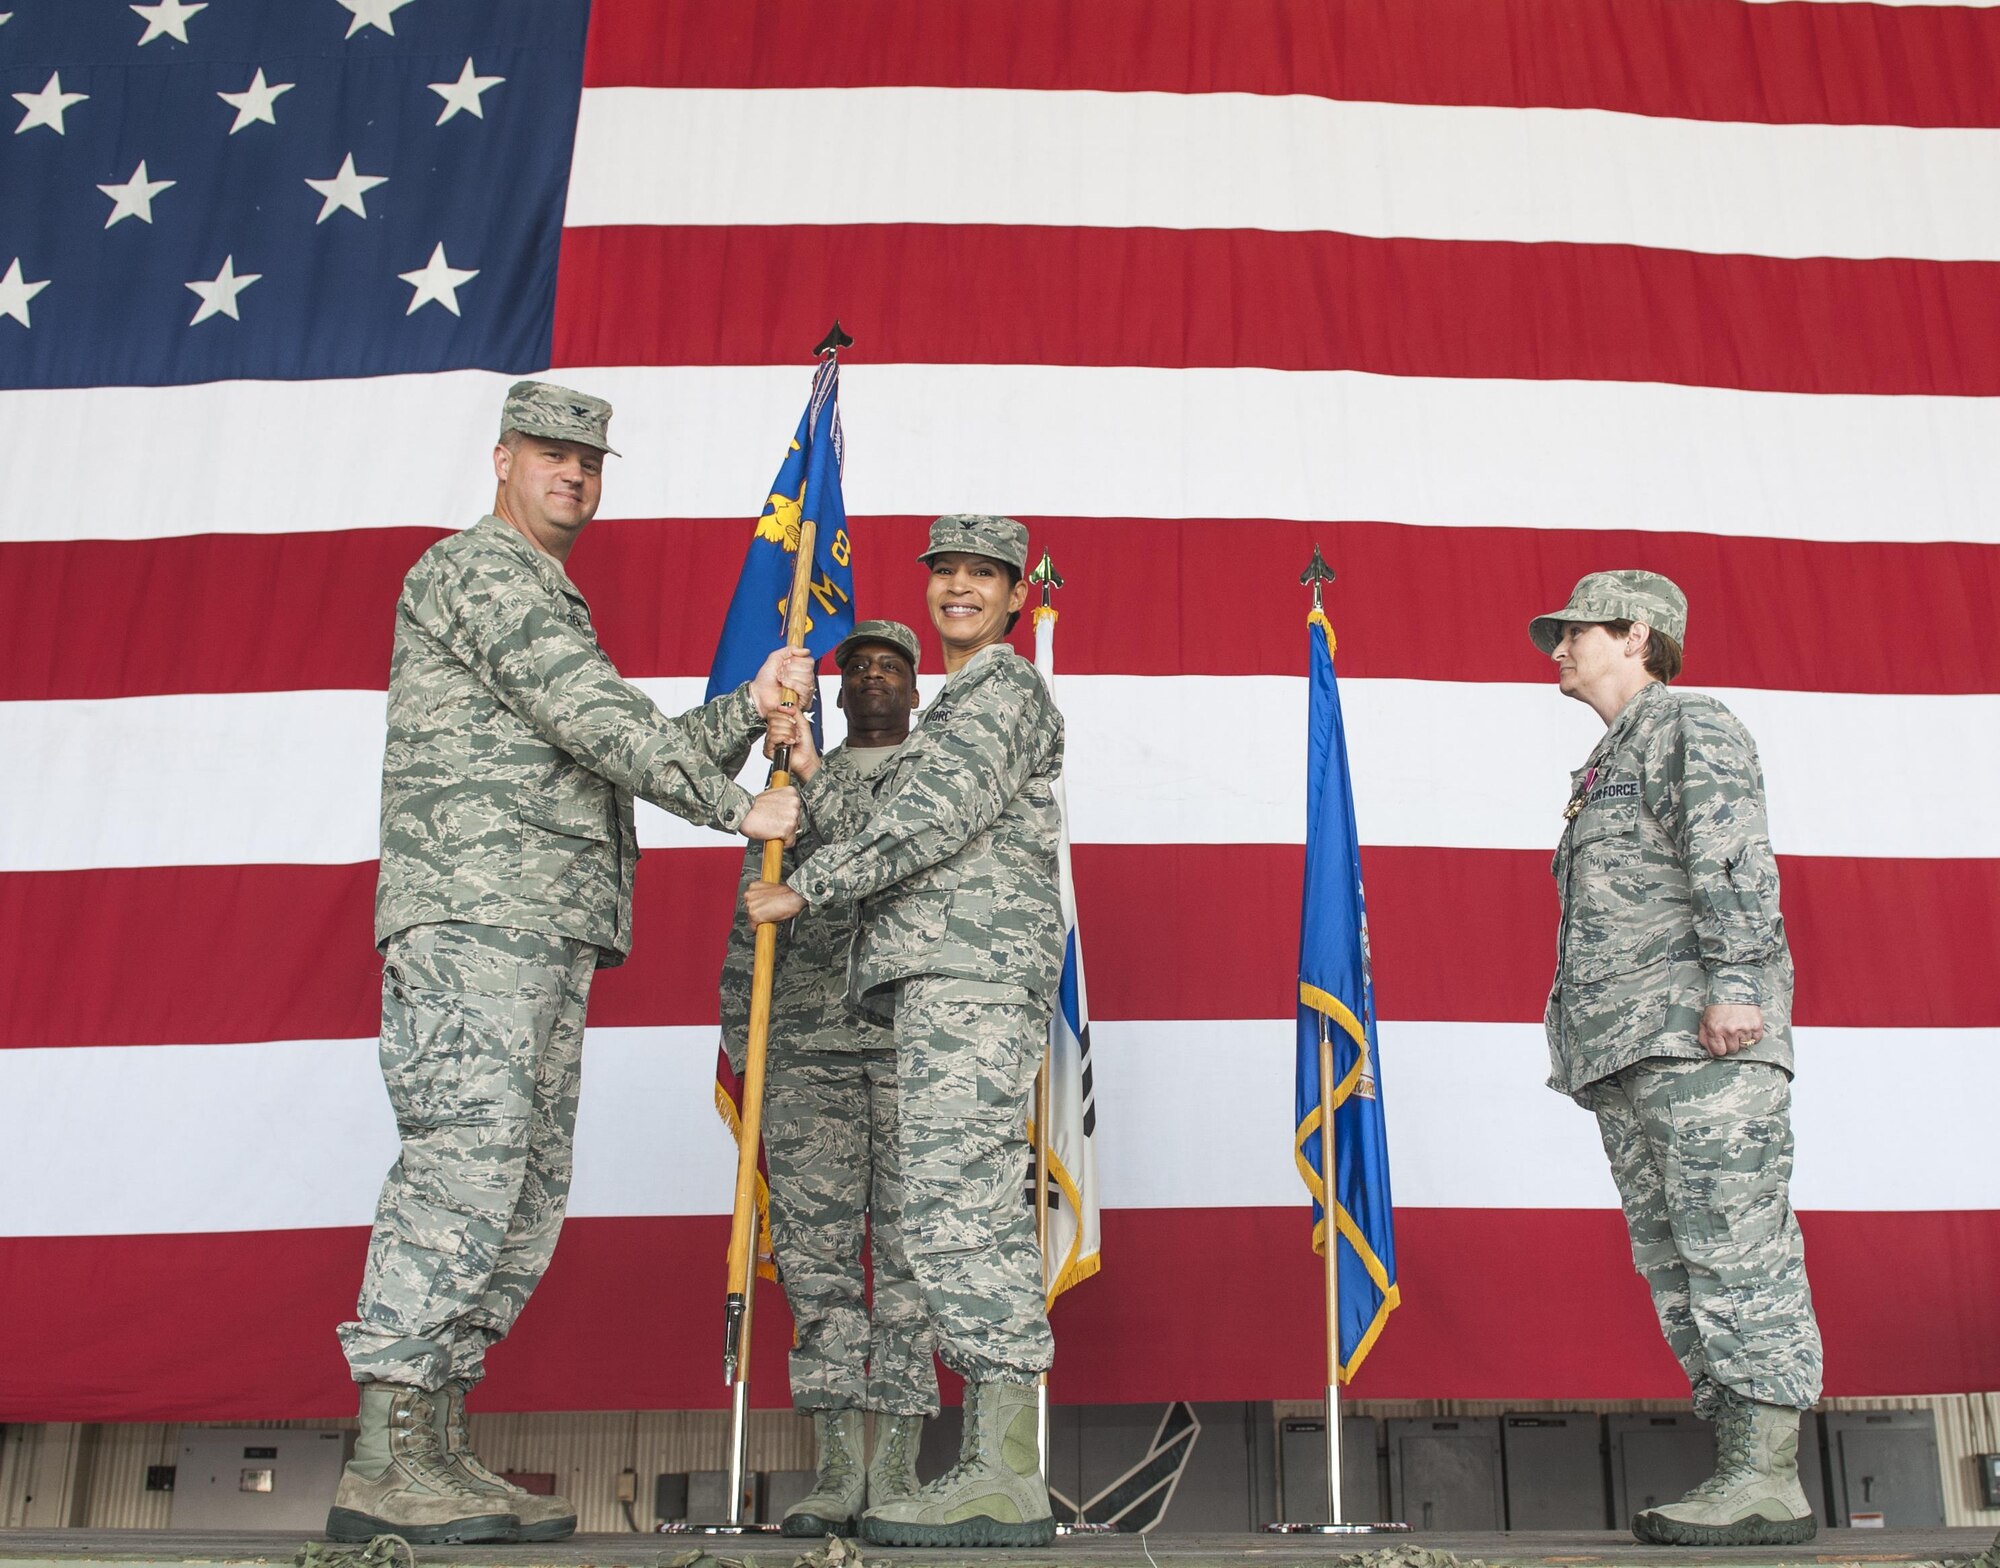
(1671, 1018)
(954, 870)
(830, 1136)
(514, 753)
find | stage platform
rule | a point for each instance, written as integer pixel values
(145, 1549)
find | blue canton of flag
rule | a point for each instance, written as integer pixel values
(807, 486)
(321, 188)
(1337, 1004)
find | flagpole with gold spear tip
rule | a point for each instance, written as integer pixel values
(743, 1215)
(1045, 577)
(1316, 576)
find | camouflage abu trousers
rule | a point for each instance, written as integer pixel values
(1702, 1154)
(967, 1067)
(830, 1128)
(482, 1041)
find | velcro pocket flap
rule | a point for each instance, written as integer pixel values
(1612, 818)
(575, 818)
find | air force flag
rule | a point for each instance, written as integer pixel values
(1337, 1005)
(807, 486)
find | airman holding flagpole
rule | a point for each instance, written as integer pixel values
(961, 948)
(830, 1127)
(507, 869)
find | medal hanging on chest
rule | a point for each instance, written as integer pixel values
(1576, 801)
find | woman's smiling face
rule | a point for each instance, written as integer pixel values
(970, 598)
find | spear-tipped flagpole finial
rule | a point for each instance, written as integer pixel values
(1317, 575)
(1046, 577)
(834, 341)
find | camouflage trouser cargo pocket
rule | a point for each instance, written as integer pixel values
(1702, 1154)
(966, 1069)
(481, 1042)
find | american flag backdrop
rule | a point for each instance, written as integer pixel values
(1476, 294)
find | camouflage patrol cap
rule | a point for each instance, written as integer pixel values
(894, 633)
(1617, 596)
(541, 408)
(1001, 538)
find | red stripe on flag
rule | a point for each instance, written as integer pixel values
(219, 955)
(89, 618)
(1690, 59)
(99, 618)
(1287, 301)
(1468, 935)
(240, 1326)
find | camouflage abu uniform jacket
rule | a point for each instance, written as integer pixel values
(515, 750)
(809, 1008)
(1669, 893)
(955, 868)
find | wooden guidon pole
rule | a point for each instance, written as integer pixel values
(743, 1218)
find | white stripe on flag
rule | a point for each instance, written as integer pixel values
(297, 1134)
(1030, 440)
(1286, 162)
(294, 777)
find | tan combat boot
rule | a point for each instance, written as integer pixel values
(551, 1518)
(1754, 1497)
(892, 1467)
(834, 1503)
(399, 1481)
(993, 1496)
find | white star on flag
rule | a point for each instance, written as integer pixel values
(255, 101)
(167, 19)
(345, 190)
(47, 106)
(464, 93)
(436, 280)
(218, 294)
(6, 17)
(134, 199)
(15, 290)
(372, 13)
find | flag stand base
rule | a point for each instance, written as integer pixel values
(1336, 1529)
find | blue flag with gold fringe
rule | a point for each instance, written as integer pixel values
(807, 486)
(1337, 1004)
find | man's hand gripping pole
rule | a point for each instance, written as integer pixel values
(743, 1218)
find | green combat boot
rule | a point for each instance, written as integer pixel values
(834, 1503)
(892, 1467)
(551, 1518)
(993, 1496)
(1754, 1497)
(399, 1481)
